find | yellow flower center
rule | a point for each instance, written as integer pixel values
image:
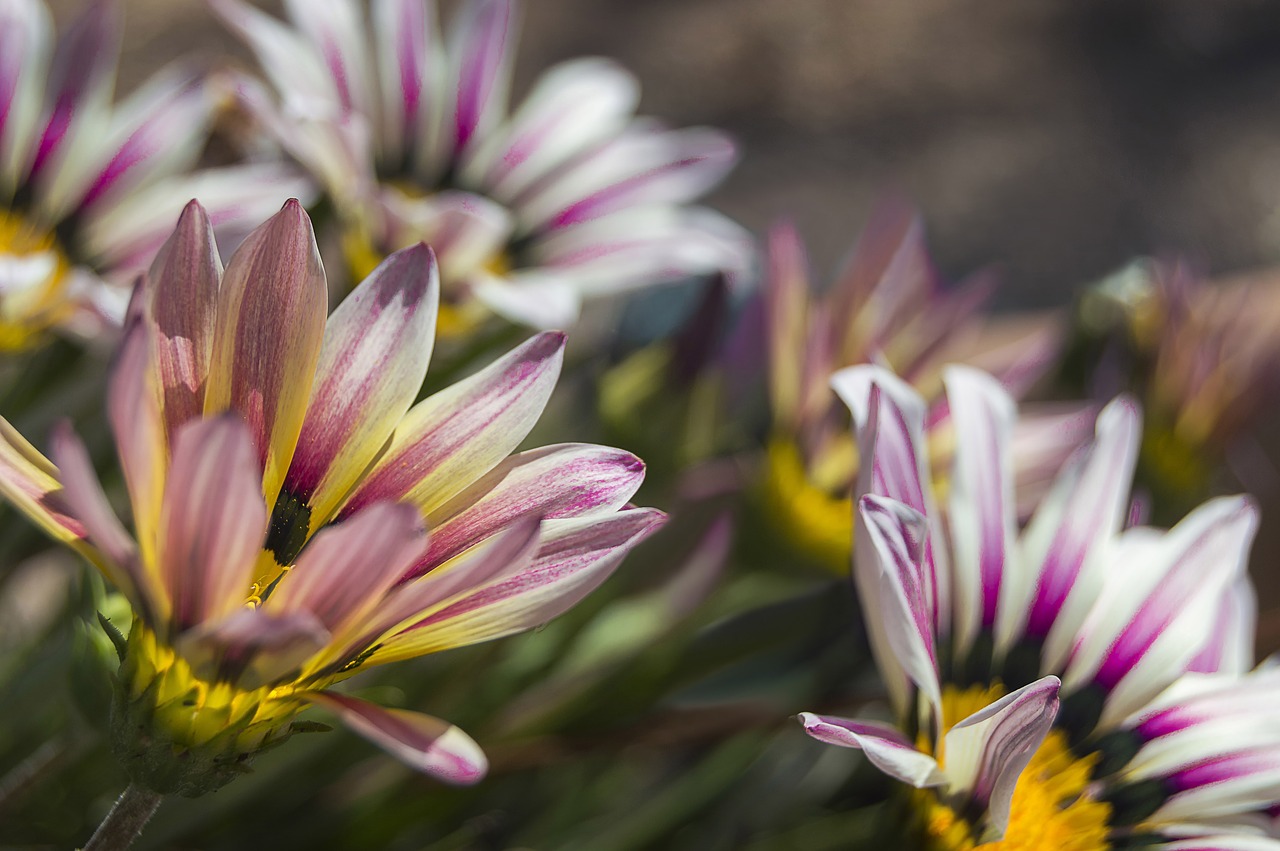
(1052, 809)
(815, 522)
(33, 280)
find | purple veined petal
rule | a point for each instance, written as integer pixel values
(270, 326)
(573, 106)
(25, 35)
(213, 520)
(505, 554)
(116, 554)
(405, 38)
(251, 648)
(551, 482)
(335, 29)
(1156, 614)
(888, 419)
(642, 166)
(887, 748)
(133, 409)
(182, 287)
(1045, 436)
(376, 348)
(786, 309)
(986, 753)
(454, 437)
(534, 300)
(1084, 509)
(424, 743)
(158, 131)
(892, 585)
(1230, 646)
(982, 516)
(465, 230)
(29, 481)
(481, 45)
(893, 234)
(1225, 783)
(346, 569)
(1224, 842)
(294, 68)
(236, 199)
(575, 557)
(80, 83)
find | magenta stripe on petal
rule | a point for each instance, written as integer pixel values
(487, 26)
(1225, 767)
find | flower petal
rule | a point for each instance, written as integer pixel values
(568, 480)
(1230, 646)
(335, 29)
(887, 748)
(270, 326)
(787, 314)
(1063, 542)
(986, 752)
(454, 437)
(982, 506)
(30, 482)
(213, 521)
(25, 34)
(345, 570)
(576, 555)
(404, 32)
(295, 69)
(183, 288)
(427, 744)
(133, 409)
(250, 648)
(481, 45)
(376, 348)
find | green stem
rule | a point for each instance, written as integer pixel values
(122, 826)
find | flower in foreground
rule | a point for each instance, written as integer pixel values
(408, 133)
(889, 305)
(1031, 672)
(231, 394)
(89, 190)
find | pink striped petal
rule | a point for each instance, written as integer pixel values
(133, 409)
(889, 750)
(376, 348)
(894, 588)
(250, 648)
(481, 45)
(893, 239)
(157, 132)
(270, 326)
(183, 287)
(576, 555)
(1223, 843)
(80, 80)
(569, 480)
(30, 483)
(1084, 510)
(786, 314)
(297, 72)
(25, 34)
(1225, 783)
(346, 569)
(404, 34)
(987, 752)
(335, 29)
(84, 499)
(213, 521)
(504, 554)
(1230, 646)
(427, 744)
(457, 435)
(981, 520)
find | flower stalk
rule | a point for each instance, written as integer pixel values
(129, 815)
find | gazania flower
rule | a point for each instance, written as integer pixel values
(281, 484)
(408, 133)
(88, 190)
(1030, 673)
(889, 305)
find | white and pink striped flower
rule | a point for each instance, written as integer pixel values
(1089, 630)
(90, 189)
(282, 482)
(530, 210)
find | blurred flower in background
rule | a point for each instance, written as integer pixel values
(1203, 357)
(231, 393)
(1030, 673)
(408, 134)
(90, 189)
